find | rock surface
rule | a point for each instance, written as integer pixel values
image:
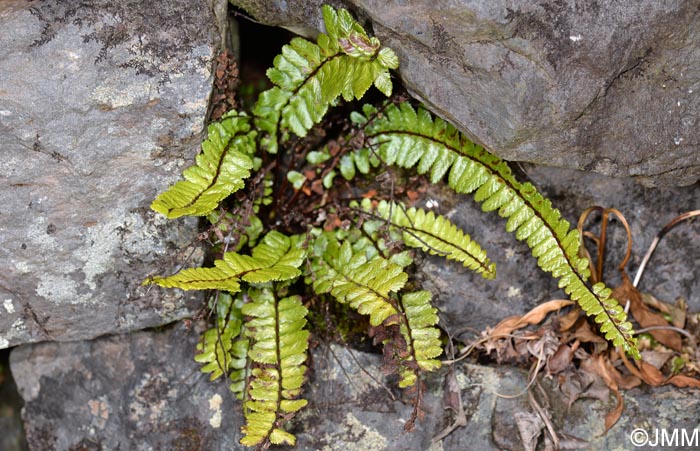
(610, 87)
(140, 391)
(101, 105)
(143, 391)
(492, 416)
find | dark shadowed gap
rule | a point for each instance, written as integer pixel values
(11, 431)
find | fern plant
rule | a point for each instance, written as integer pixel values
(282, 233)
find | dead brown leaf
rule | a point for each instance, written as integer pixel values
(645, 316)
(657, 358)
(678, 312)
(453, 401)
(534, 316)
(566, 322)
(585, 334)
(530, 427)
(684, 381)
(654, 377)
(600, 364)
(615, 414)
(561, 359)
(650, 374)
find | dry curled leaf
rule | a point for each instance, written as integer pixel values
(561, 359)
(600, 364)
(585, 333)
(654, 377)
(684, 381)
(645, 316)
(530, 427)
(453, 401)
(678, 312)
(534, 316)
(569, 320)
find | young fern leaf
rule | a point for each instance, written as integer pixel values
(216, 345)
(309, 77)
(405, 137)
(422, 338)
(434, 234)
(278, 350)
(223, 164)
(276, 258)
(364, 284)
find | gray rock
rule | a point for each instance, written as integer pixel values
(609, 87)
(102, 104)
(353, 407)
(494, 397)
(141, 391)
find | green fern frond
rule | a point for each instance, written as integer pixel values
(422, 338)
(310, 77)
(276, 258)
(363, 283)
(434, 234)
(407, 137)
(223, 164)
(278, 349)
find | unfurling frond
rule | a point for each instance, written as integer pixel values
(278, 345)
(276, 258)
(309, 77)
(223, 164)
(410, 138)
(434, 234)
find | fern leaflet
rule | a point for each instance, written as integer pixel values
(277, 257)
(405, 137)
(223, 164)
(222, 349)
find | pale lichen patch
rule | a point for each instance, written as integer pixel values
(60, 289)
(9, 306)
(356, 436)
(513, 292)
(215, 406)
(100, 242)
